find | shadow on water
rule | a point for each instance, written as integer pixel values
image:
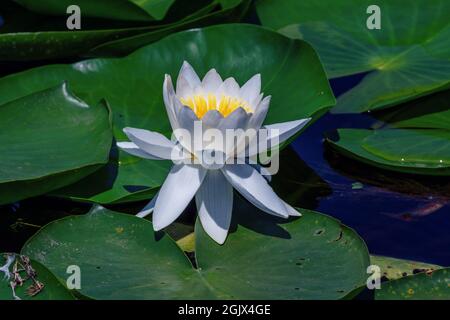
(21, 220)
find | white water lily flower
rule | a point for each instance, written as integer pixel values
(215, 104)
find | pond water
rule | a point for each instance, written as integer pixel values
(402, 216)
(398, 215)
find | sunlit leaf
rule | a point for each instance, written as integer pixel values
(50, 139)
(423, 286)
(407, 58)
(416, 138)
(314, 257)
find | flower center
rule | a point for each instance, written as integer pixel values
(225, 105)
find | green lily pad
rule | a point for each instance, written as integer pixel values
(314, 257)
(53, 289)
(124, 179)
(120, 257)
(429, 112)
(137, 10)
(187, 243)
(291, 73)
(50, 139)
(419, 151)
(407, 58)
(392, 268)
(423, 286)
(39, 37)
(28, 36)
(414, 137)
(231, 11)
(420, 148)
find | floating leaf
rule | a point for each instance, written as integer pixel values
(429, 112)
(407, 58)
(392, 268)
(231, 11)
(120, 257)
(138, 10)
(187, 243)
(50, 139)
(398, 150)
(314, 257)
(420, 148)
(416, 138)
(40, 37)
(423, 286)
(290, 69)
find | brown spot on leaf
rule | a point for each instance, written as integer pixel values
(119, 230)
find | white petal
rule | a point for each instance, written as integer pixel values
(168, 95)
(238, 119)
(255, 188)
(256, 102)
(212, 136)
(263, 171)
(187, 80)
(148, 208)
(214, 202)
(177, 106)
(133, 149)
(186, 120)
(291, 210)
(184, 89)
(211, 119)
(211, 82)
(255, 122)
(175, 194)
(257, 119)
(251, 89)
(229, 87)
(285, 129)
(151, 142)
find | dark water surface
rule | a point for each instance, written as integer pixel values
(398, 215)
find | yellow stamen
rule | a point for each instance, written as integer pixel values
(226, 105)
(212, 102)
